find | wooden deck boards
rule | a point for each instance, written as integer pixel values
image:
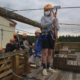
(61, 75)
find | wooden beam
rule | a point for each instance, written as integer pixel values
(5, 73)
(5, 67)
(15, 62)
(17, 17)
(26, 60)
(7, 60)
(8, 78)
(10, 54)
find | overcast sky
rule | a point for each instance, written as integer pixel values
(64, 15)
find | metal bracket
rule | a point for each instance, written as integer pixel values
(58, 7)
(5, 12)
(2, 33)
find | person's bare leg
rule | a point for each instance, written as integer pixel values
(44, 55)
(44, 58)
(50, 51)
(49, 58)
(28, 68)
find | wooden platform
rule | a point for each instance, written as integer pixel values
(60, 75)
(62, 62)
(63, 74)
(72, 56)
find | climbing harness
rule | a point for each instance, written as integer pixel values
(45, 34)
(37, 54)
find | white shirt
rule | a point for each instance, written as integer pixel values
(25, 46)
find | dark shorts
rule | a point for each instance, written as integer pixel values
(47, 44)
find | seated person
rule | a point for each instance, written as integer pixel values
(16, 42)
(24, 41)
(1, 50)
(11, 46)
(36, 56)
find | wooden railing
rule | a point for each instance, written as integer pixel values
(16, 62)
(72, 45)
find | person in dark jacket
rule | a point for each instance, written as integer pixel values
(1, 50)
(24, 41)
(16, 42)
(11, 46)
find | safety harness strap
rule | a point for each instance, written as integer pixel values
(37, 54)
(45, 36)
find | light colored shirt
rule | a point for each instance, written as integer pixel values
(25, 46)
(47, 24)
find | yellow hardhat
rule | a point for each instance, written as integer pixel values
(24, 34)
(12, 39)
(48, 6)
(38, 31)
(15, 34)
(1, 49)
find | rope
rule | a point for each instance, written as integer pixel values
(16, 29)
(33, 33)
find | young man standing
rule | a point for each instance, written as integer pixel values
(48, 23)
(36, 56)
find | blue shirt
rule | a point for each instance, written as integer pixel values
(38, 47)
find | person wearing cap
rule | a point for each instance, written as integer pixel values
(16, 42)
(25, 41)
(36, 56)
(49, 25)
(11, 46)
(1, 50)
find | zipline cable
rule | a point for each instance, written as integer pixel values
(43, 8)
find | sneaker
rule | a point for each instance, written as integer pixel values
(44, 72)
(52, 70)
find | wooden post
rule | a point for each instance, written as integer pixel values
(15, 61)
(15, 16)
(59, 45)
(53, 52)
(26, 60)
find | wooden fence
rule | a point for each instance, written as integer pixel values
(16, 62)
(72, 45)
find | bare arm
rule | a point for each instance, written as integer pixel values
(31, 46)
